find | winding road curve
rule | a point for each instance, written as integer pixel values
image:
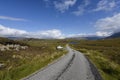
(73, 66)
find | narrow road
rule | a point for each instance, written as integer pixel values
(73, 66)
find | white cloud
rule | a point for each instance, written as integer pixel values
(80, 11)
(45, 34)
(108, 25)
(12, 18)
(81, 8)
(77, 35)
(55, 34)
(10, 32)
(5, 31)
(80, 35)
(64, 5)
(103, 33)
(106, 5)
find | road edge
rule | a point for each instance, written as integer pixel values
(94, 70)
(49, 64)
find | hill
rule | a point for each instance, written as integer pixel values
(86, 38)
(115, 35)
(6, 41)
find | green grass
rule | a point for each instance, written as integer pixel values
(104, 54)
(39, 54)
(108, 69)
(28, 68)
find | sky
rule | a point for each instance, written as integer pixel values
(59, 18)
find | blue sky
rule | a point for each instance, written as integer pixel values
(59, 18)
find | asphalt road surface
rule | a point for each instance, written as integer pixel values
(73, 66)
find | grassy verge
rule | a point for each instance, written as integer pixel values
(28, 68)
(109, 70)
(25, 62)
(105, 54)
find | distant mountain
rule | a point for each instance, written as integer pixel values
(77, 38)
(22, 38)
(115, 35)
(16, 38)
(94, 38)
(87, 38)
